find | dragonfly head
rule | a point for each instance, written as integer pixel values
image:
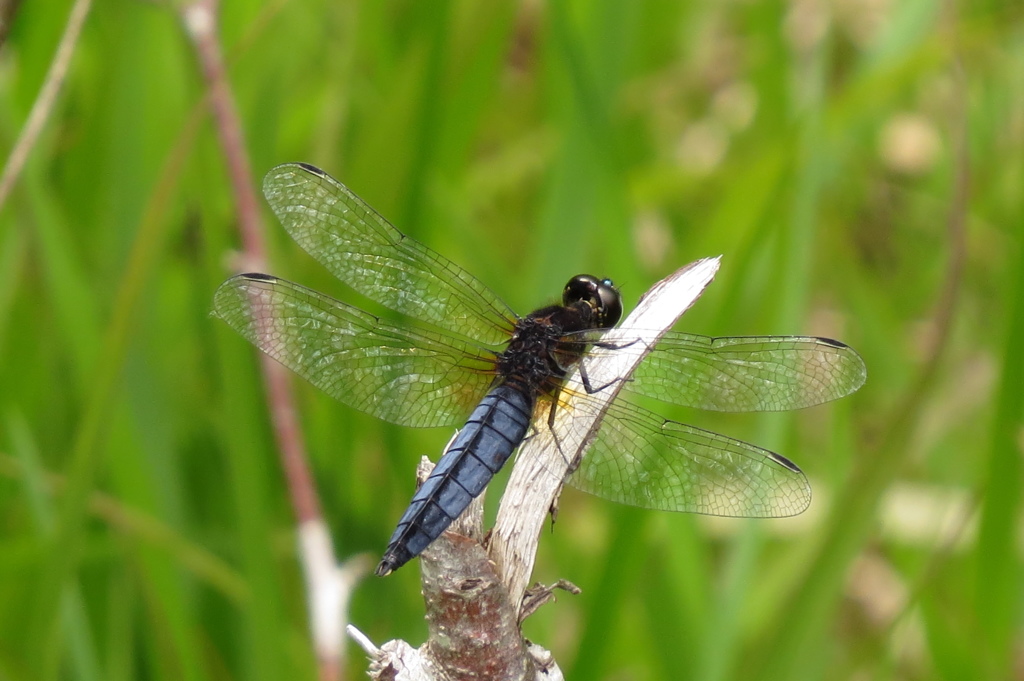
(600, 294)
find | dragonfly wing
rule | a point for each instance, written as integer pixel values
(366, 252)
(754, 373)
(641, 459)
(406, 376)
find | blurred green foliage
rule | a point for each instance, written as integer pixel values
(829, 150)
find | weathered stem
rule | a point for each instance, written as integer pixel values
(475, 605)
(547, 458)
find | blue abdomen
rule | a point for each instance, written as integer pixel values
(494, 430)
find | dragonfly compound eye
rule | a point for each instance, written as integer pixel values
(600, 293)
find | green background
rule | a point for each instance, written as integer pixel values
(858, 164)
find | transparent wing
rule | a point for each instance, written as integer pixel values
(752, 373)
(406, 376)
(366, 252)
(641, 459)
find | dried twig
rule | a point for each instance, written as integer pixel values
(475, 605)
(548, 458)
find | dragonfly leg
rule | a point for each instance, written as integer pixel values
(554, 433)
(589, 387)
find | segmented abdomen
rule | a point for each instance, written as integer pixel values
(495, 428)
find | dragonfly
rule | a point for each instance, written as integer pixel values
(458, 355)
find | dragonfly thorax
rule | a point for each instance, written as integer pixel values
(530, 357)
(537, 356)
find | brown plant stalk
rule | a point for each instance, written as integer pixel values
(328, 585)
